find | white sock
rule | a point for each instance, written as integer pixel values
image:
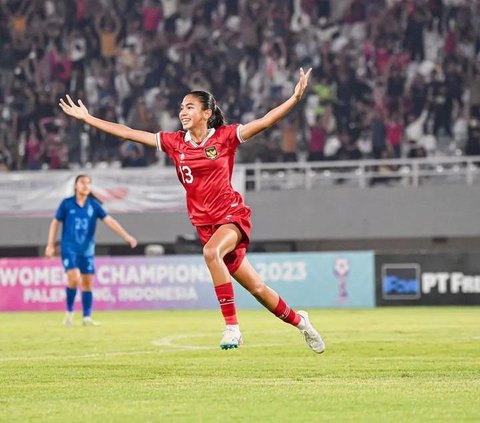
(235, 328)
(301, 325)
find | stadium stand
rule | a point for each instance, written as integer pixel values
(391, 79)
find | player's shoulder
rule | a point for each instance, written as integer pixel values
(170, 139)
(227, 130)
(177, 135)
(230, 134)
(94, 201)
(68, 201)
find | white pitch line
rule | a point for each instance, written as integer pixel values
(169, 342)
(73, 357)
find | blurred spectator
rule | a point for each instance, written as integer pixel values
(152, 15)
(418, 94)
(348, 149)
(105, 148)
(35, 149)
(379, 134)
(18, 13)
(414, 34)
(52, 130)
(133, 156)
(108, 28)
(395, 135)
(441, 101)
(317, 141)
(473, 141)
(415, 150)
(5, 159)
(395, 87)
(289, 134)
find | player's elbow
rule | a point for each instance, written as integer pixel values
(141, 137)
(128, 133)
(265, 123)
(109, 220)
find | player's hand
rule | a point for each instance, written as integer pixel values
(50, 251)
(78, 111)
(132, 241)
(302, 84)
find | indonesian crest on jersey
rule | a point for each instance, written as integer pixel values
(211, 153)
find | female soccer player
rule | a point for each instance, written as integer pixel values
(203, 154)
(78, 215)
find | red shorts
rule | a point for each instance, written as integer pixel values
(241, 218)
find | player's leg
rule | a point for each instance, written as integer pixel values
(87, 272)
(248, 277)
(222, 242)
(70, 264)
(87, 300)
(73, 281)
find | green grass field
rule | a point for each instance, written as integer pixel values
(384, 365)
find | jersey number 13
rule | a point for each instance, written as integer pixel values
(186, 174)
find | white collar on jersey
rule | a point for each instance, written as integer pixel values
(188, 138)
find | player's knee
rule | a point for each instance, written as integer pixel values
(74, 283)
(211, 254)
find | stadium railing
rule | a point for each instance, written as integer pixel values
(362, 173)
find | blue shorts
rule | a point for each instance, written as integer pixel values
(75, 261)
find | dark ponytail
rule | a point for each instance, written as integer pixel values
(217, 119)
(208, 102)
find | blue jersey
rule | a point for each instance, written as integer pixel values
(79, 224)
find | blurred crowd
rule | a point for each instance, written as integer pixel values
(390, 78)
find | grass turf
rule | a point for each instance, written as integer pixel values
(385, 365)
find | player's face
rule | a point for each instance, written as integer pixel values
(83, 186)
(191, 114)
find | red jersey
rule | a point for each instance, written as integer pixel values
(205, 171)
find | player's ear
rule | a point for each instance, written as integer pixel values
(207, 113)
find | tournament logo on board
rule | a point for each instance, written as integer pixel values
(211, 153)
(341, 269)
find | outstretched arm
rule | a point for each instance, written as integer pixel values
(79, 111)
(118, 229)
(258, 125)
(52, 232)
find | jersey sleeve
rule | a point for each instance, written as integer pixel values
(165, 141)
(101, 212)
(61, 211)
(232, 135)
